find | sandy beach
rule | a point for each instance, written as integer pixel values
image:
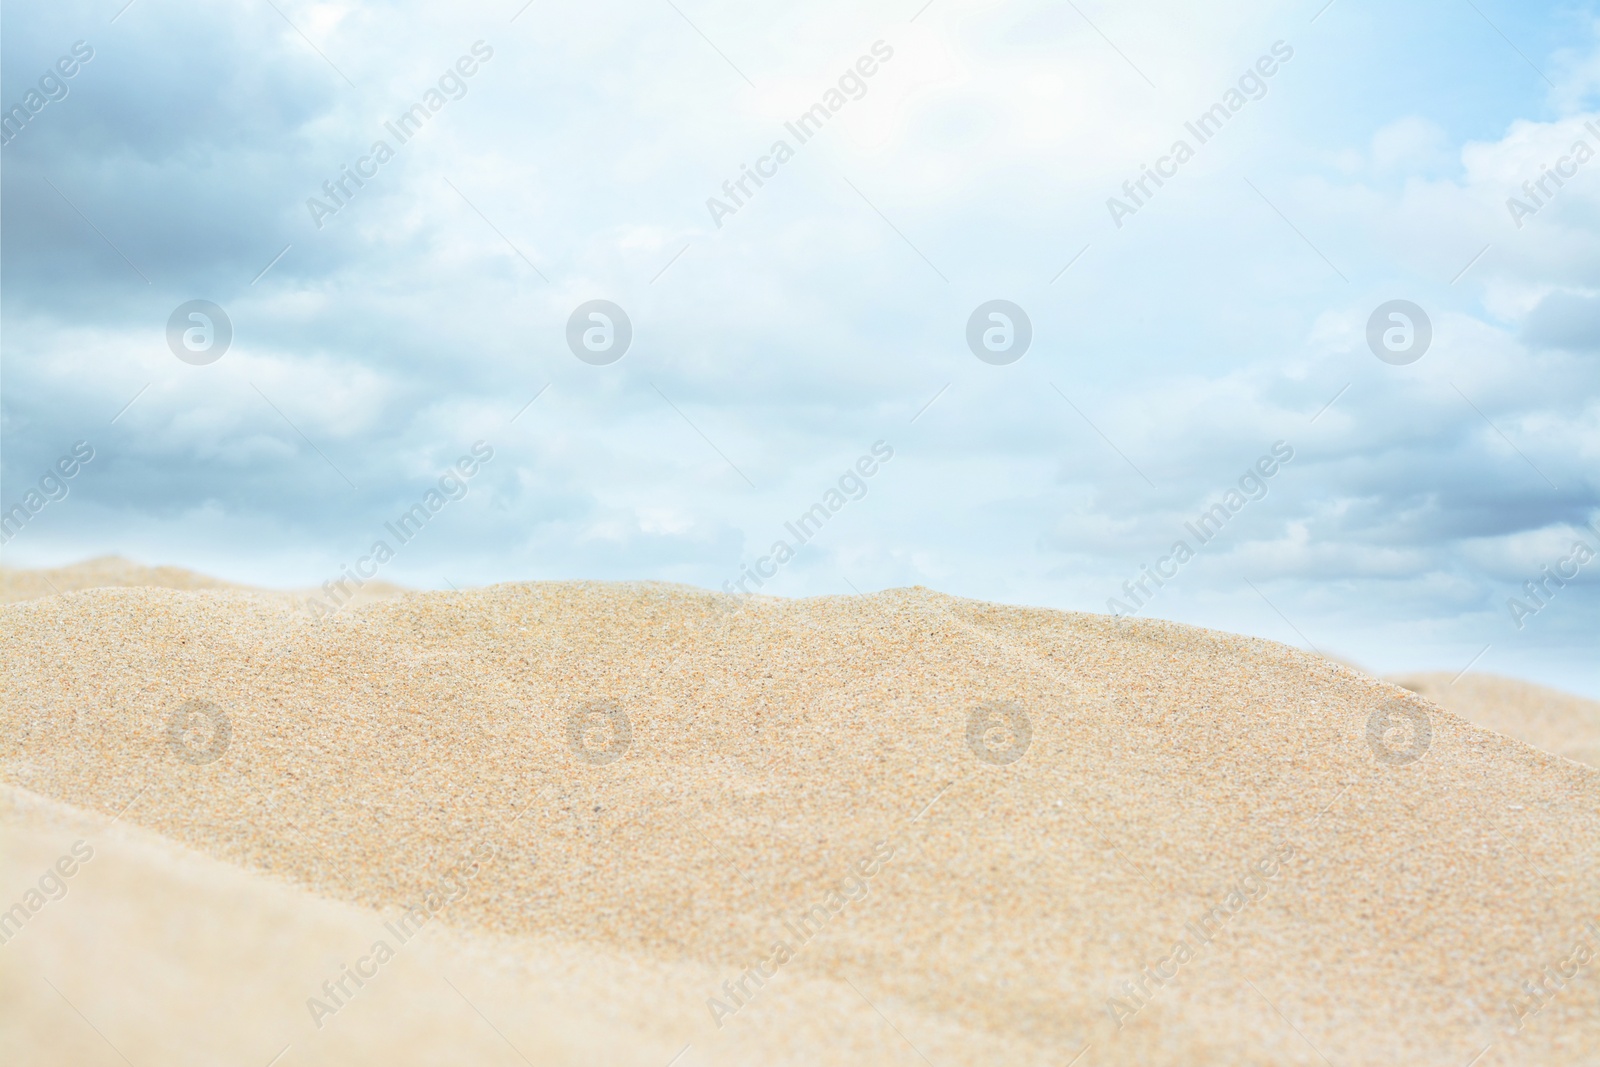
(648, 824)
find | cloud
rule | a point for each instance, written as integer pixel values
(1565, 320)
(828, 312)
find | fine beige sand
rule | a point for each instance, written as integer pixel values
(635, 792)
(18, 584)
(1557, 722)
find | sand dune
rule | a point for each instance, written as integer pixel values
(17, 584)
(894, 828)
(114, 572)
(1545, 718)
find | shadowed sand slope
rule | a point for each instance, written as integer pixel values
(1012, 834)
(1545, 718)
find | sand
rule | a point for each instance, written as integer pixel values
(224, 979)
(17, 584)
(1545, 718)
(777, 755)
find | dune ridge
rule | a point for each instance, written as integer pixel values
(115, 572)
(1545, 718)
(19, 584)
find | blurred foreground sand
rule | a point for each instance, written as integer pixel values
(190, 960)
(1170, 785)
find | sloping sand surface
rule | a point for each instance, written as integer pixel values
(17, 584)
(179, 959)
(970, 828)
(1557, 722)
(114, 572)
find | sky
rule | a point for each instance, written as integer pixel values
(1184, 337)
